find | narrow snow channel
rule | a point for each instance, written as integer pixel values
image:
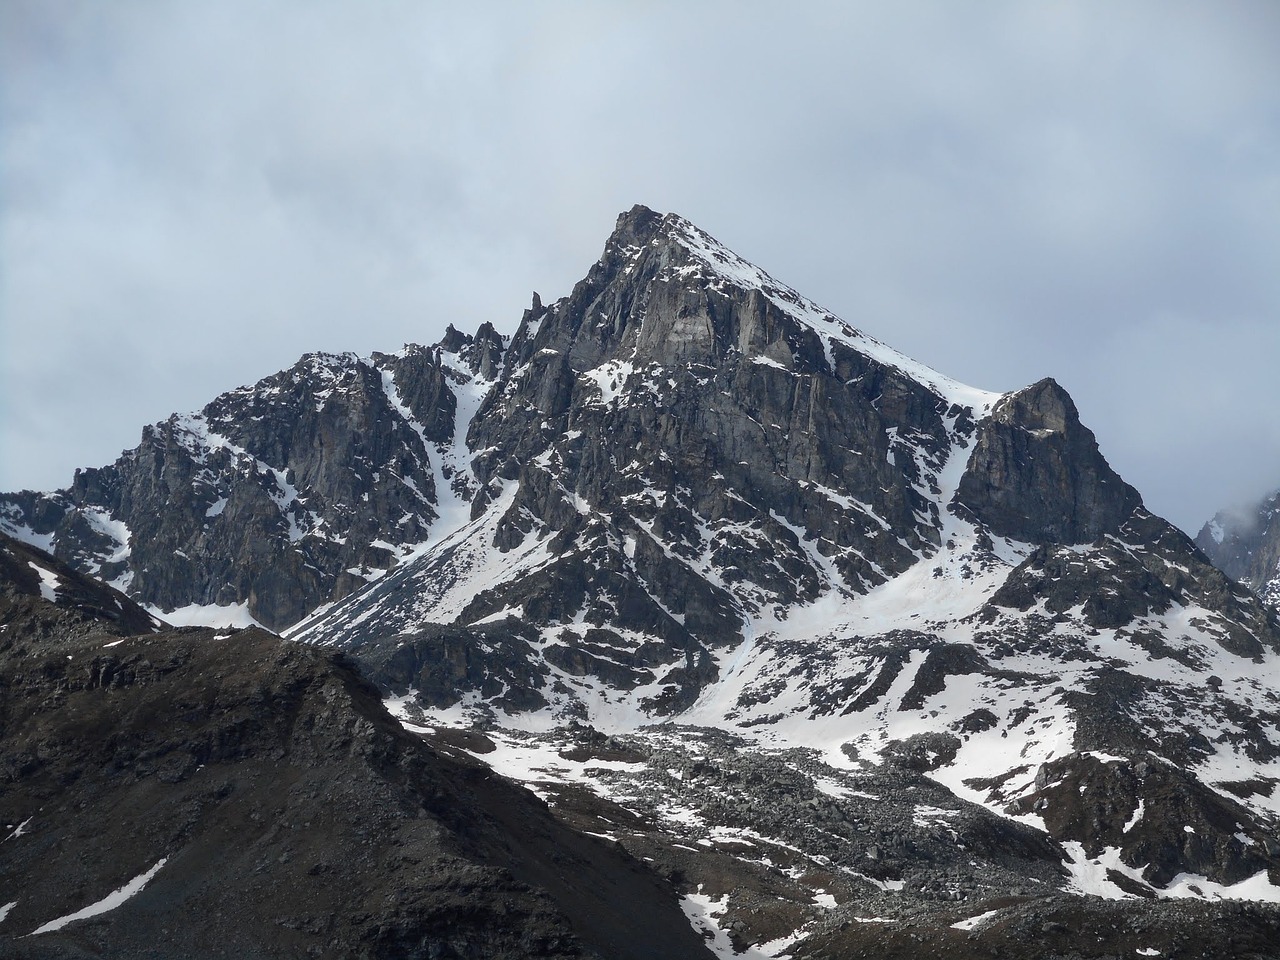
(109, 902)
(48, 582)
(453, 512)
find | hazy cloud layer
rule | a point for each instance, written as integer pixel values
(196, 194)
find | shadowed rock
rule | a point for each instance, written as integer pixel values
(1036, 473)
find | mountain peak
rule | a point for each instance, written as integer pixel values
(1036, 473)
(637, 226)
(719, 304)
(686, 493)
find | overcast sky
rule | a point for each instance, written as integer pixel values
(195, 194)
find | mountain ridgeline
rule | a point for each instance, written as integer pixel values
(695, 368)
(278, 497)
(753, 578)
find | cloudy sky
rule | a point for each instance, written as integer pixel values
(194, 194)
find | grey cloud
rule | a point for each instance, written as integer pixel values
(195, 194)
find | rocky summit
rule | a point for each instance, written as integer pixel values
(820, 649)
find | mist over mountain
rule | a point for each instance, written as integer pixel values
(1244, 542)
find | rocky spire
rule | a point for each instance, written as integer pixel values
(1036, 473)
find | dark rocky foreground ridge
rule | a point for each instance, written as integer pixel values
(293, 816)
(277, 810)
(839, 651)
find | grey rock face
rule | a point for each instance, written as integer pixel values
(1246, 545)
(656, 376)
(694, 443)
(1036, 473)
(279, 496)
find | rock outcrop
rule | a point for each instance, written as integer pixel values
(1036, 473)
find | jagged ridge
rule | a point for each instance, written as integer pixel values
(280, 496)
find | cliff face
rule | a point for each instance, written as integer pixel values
(1036, 473)
(276, 497)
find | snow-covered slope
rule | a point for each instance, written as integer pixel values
(705, 500)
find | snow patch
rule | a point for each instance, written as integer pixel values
(109, 902)
(975, 922)
(1137, 816)
(1190, 885)
(1089, 875)
(234, 615)
(610, 378)
(704, 915)
(49, 582)
(116, 530)
(23, 533)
